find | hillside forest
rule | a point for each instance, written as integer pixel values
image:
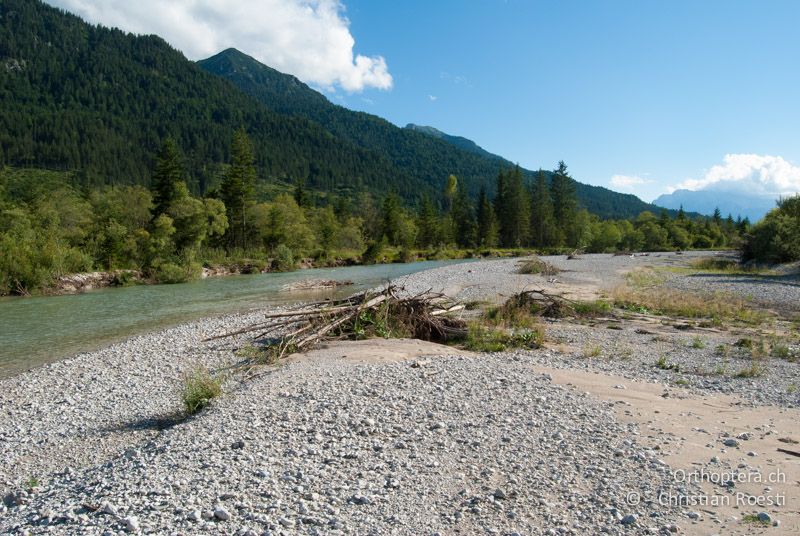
(52, 225)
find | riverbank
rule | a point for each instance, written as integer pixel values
(88, 281)
(404, 436)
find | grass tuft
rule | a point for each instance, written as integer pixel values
(718, 307)
(481, 338)
(199, 388)
(753, 370)
(662, 364)
(698, 343)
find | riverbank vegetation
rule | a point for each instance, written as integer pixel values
(51, 226)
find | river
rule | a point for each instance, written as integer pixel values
(39, 330)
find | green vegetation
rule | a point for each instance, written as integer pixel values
(725, 266)
(662, 364)
(592, 351)
(755, 520)
(199, 388)
(698, 343)
(481, 338)
(753, 370)
(776, 238)
(167, 167)
(717, 307)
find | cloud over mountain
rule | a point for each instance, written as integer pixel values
(757, 175)
(310, 39)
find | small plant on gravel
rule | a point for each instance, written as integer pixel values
(592, 351)
(698, 343)
(722, 350)
(753, 519)
(682, 382)
(537, 266)
(32, 483)
(753, 370)
(199, 388)
(720, 370)
(481, 338)
(662, 364)
(744, 343)
(781, 351)
(791, 389)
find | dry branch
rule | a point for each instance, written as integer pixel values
(388, 312)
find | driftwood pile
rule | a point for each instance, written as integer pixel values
(390, 312)
(539, 303)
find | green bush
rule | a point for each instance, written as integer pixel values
(283, 259)
(776, 238)
(170, 273)
(199, 388)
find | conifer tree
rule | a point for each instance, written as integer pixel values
(512, 208)
(565, 203)
(463, 220)
(169, 171)
(429, 234)
(238, 188)
(542, 222)
(487, 221)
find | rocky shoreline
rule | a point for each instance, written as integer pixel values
(324, 444)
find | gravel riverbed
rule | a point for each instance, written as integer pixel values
(461, 444)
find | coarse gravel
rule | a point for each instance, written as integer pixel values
(467, 444)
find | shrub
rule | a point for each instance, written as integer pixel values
(199, 388)
(170, 273)
(283, 259)
(776, 238)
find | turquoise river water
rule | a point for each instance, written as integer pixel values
(40, 330)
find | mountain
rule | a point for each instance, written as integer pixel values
(458, 141)
(75, 96)
(427, 156)
(706, 201)
(100, 102)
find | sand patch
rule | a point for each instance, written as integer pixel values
(688, 429)
(379, 351)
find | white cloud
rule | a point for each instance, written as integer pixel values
(433, 98)
(628, 182)
(310, 39)
(761, 175)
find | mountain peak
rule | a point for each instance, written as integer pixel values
(458, 141)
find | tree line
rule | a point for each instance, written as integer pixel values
(50, 228)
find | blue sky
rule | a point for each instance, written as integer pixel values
(641, 96)
(656, 90)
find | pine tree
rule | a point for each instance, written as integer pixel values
(463, 218)
(542, 222)
(565, 203)
(487, 221)
(429, 234)
(168, 173)
(238, 188)
(513, 208)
